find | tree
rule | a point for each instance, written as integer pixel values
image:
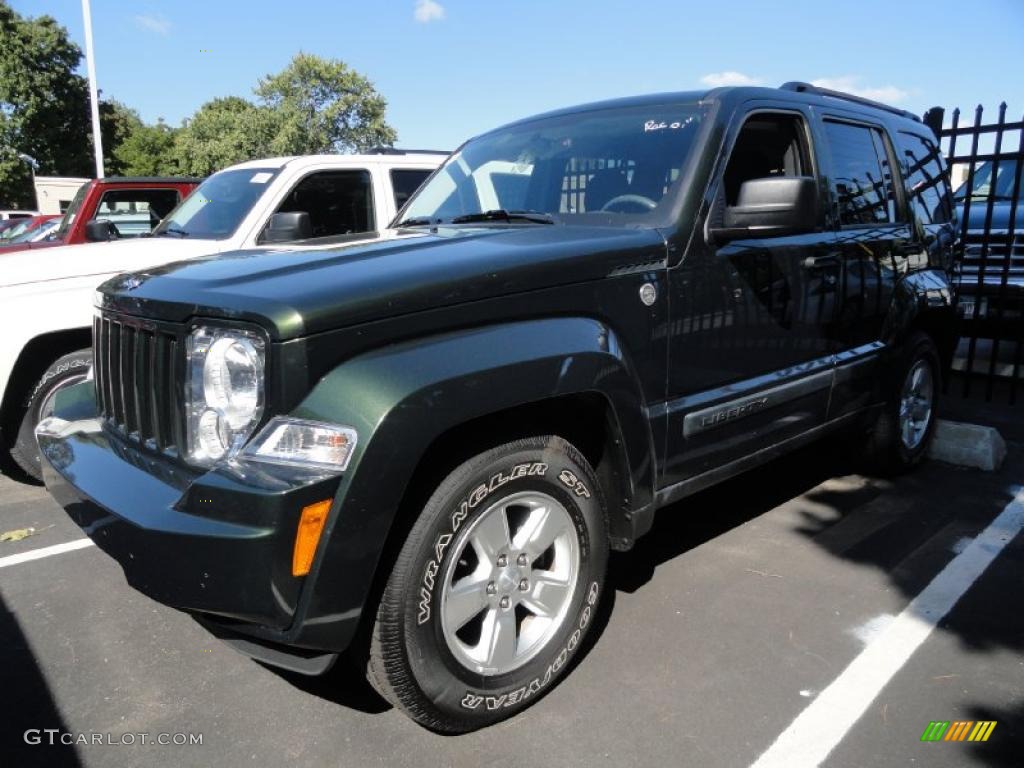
(222, 132)
(43, 103)
(324, 106)
(148, 150)
(117, 124)
(314, 105)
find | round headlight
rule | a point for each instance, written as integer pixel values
(225, 391)
(232, 374)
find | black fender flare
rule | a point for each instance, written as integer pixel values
(923, 300)
(402, 397)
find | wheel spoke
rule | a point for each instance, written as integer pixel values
(465, 600)
(547, 595)
(490, 537)
(498, 612)
(915, 379)
(498, 638)
(538, 531)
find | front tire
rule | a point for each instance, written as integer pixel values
(900, 438)
(69, 369)
(494, 589)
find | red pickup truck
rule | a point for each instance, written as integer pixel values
(114, 208)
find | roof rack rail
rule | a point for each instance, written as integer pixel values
(397, 151)
(799, 87)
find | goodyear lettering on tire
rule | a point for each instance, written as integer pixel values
(473, 701)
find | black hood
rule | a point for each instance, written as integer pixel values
(295, 293)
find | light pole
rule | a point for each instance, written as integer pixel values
(90, 66)
(33, 166)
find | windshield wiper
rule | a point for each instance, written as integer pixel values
(500, 214)
(415, 221)
(171, 231)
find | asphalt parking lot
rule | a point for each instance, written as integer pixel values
(745, 606)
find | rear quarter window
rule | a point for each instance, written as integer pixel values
(925, 174)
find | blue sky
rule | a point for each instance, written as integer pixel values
(453, 68)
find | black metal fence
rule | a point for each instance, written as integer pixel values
(985, 162)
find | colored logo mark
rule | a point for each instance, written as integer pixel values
(958, 730)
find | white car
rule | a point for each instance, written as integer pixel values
(7, 215)
(294, 202)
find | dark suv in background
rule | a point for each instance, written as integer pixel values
(422, 448)
(992, 271)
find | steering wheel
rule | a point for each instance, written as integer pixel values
(638, 200)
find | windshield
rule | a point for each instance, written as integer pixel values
(17, 230)
(42, 232)
(217, 206)
(1002, 189)
(71, 212)
(608, 167)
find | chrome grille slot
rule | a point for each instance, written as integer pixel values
(995, 253)
(136, 373)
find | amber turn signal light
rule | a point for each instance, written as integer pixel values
(311, 525)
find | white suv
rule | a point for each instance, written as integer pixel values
(46, 296)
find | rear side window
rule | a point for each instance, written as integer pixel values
(405, 181)
(927, 188)
(135, 212)
(861, 177)
(338, 202)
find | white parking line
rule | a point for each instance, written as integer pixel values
(36, 554)
(823, 724)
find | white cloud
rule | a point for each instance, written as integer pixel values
(154, 23)
(718, 79)
(851, 84)
(428, 10)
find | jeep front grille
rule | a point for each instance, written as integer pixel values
(136, 367)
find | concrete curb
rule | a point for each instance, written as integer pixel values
(968, 445)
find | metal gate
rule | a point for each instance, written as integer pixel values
(985, 162)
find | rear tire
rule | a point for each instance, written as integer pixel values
(69, 369)
(494, 589)
(900, 438)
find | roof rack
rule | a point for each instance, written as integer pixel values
(799, 87)
(156, 179)
(396, 151)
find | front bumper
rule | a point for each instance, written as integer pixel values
(217, 544)
(990, 299)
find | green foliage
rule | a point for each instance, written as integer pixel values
(314, 105)
(324, 106)
(223, 132)
(43, 104)
(117, 124)
(148, 150)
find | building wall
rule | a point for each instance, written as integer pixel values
(55, 192)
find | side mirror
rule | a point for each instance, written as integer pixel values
(99, 231)
(777, 205)
(286, 227)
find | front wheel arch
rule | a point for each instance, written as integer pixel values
(35, 357)
(602, 448)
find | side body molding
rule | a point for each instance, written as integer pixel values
(402, 397)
